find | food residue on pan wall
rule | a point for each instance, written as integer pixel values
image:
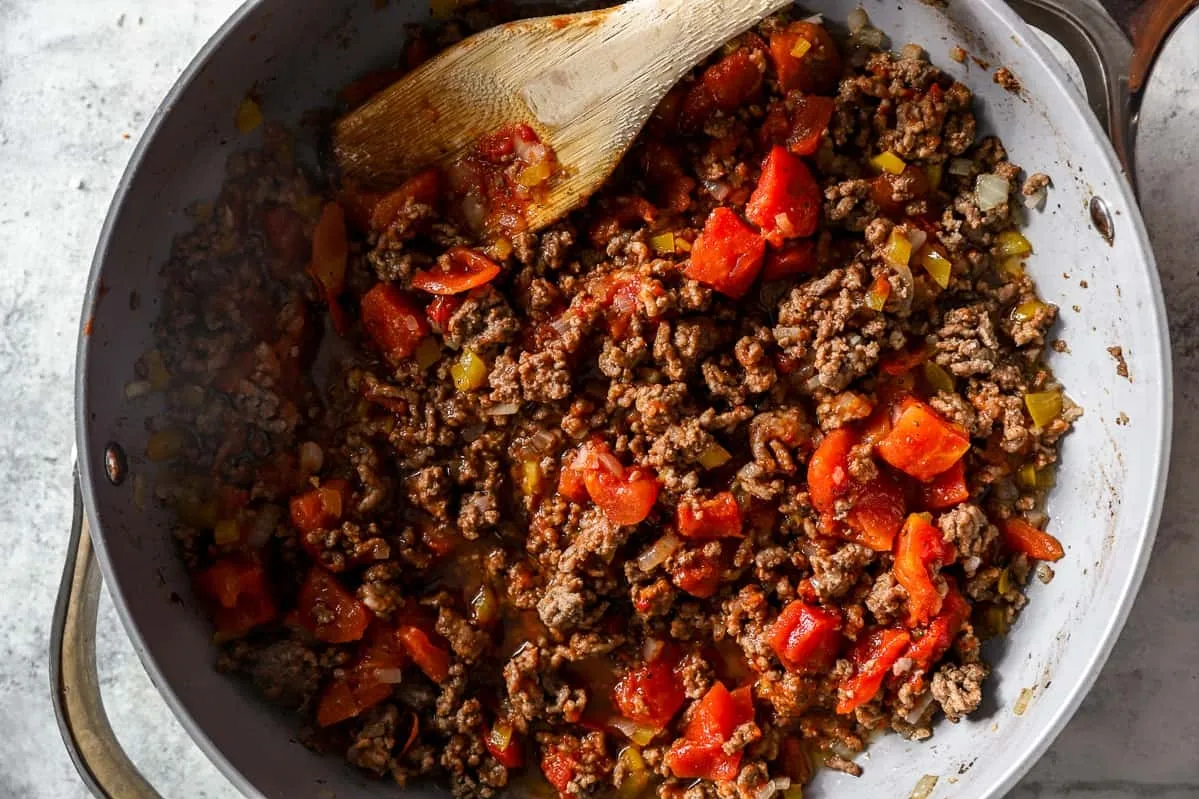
(1121, 364)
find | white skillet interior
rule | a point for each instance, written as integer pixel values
(1104, 508)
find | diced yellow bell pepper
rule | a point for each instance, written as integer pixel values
(663, 243)
(535, 174)
(428, 352)
(165, 445)
(469, 372)
(1046, 478)
(1012, 242)
(934, 173)
(1027, 311)
(156, 371)
(1027, 476)
(899, 249)
(501, 248)
(530, 477)
(801, 48)
(939, 268)
(714, 457)
(249, 116)
(937, 377)
(794, 792)
(226, 533)
(1043, 406)
(1011, 267)
(888, 162)
(636, 774)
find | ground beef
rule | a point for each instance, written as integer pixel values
(491, 512)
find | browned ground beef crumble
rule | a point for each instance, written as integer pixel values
(452, 494)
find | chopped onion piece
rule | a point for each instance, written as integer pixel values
(1036, 199)
(924, 787)
(960, 166)
(637, 733)
(1022, 702)
(870, 37)
(657, 554)
(776, 785)
(917, 237)
(137, 388)
(312, 457)
(651, 649)
(503, 409)
(858, 19)
(718, 189)
(991, 191)
(389, 676)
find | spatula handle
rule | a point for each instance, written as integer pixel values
(647, 44)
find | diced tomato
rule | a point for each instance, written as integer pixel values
(884, 187)
(359, 205)
(873, 656)
(718, 517)
(810, 118)
(877, 513)
(651, 694)
(1021, 536)
(921, 443)
(359, 91)
(946, 489)
(795, 259)
(360, 687)
(423, 188)
(728, 254)
(432, 659)
(330, 612)
(775, 129)
(440, 311)
(504, 745)
(394, 322)
(697, 573)
(626, 496)
(919, 553)
(284, 231)
(806, 637)
(320, 508)
(699, 753)
(559, 768)
(724, 86)
(786, 204)
(817, 70)
(903, 361)
(240, 596)
(619, 213)
(440, 539)
(828, 469)
(459, 270)
(330, 252)
(938, 636)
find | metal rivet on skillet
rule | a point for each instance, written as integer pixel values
(115, 465)
(1101, 218)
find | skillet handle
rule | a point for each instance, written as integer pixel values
(1103, 53)
(74, 684)
(1114, 43)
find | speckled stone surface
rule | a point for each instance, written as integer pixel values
(79, 79)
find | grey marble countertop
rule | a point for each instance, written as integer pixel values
(78, 81)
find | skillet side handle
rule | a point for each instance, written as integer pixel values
(1104, 54)
(74, 684)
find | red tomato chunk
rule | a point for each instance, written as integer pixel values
(805, 637)
(787, 202)
(728, 254)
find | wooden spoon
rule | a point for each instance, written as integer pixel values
(586, 83)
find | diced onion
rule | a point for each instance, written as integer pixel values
(904, 273)
(991, 191)
(389, 676)
(263, 527)
(960, 166)
(1036, 199)
(312, 457)
(718, 189)
(658, 553)
(916, 237)
(918, 709)
(924, 787)
(637, 733)
(137, 388)
(776, 785)
(1022, 702)
(858, 19)
(784, 225)
(651, 649)
(870, 37)
(473, 212)
(503, 409)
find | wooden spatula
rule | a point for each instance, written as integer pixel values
(586, 83)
